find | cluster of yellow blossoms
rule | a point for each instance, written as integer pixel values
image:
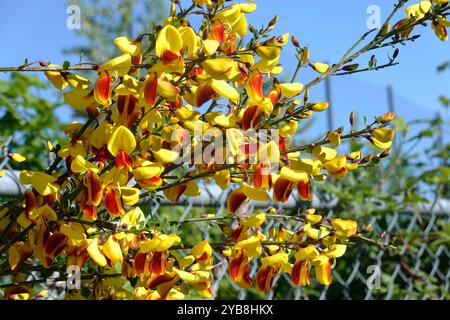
(418, 12)
(144, 106)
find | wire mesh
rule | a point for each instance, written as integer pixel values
(419, 269)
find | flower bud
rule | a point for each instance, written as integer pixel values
(319, 106)
(387, 117)
(366, 159)
(385, 153)
(385, 29)
(367, 229)
(352, 118)
(305, 56)
(295, 42)
(350, 67)
(273, 22)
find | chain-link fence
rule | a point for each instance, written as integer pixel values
(417, 269)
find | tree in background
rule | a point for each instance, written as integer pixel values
(28, 107)
(103, 21)
(27, 118)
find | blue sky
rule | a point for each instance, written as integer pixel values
(37, 30)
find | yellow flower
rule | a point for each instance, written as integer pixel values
(255, 220)
(290, 89)
(168, 45)
(17, 157)
(323, 269)
(338, 167)
(253, 193)
(43, 183)
(112, 250)
(320, 67)
(324, 154)
(128, 45)
(159, 243)
(117, 66)
(440, 30)
(95, 253)
(122, 139)
(344, 228)
(382, 137)
(319, 106)
(270, 266)
(251, 245)
(335, 138)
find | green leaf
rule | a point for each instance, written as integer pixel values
(12, 110)
(66, 65)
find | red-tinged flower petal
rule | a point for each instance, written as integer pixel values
(295, 272)
(247, 280)
(18, 253)
(89, 210)
(203, 257)
(135, 60)
(174, 193)
(234, 267)
(255, 86)
(323, 274)
(229, 45)
(339, 173)
(128, 108)
(195, 72)
(236, 233)
(49, 199)
(248, 149)
(282, 143)
(251, 117)
(101, 155)
(218, 32)
(112, 201)
(55, 244)
(304, 191)
(140, 261)
(157, 263)
(300, 273)
(31, 202)
(152, 182)
(94, 188)
(274, 95)
(203, 94)
(123, 161)
(160, 279)
(177, 104)
(282, 190)
(169, 57)
(102, 89)
(235, 200)
(262, 176)
(150, 89)
(264, 278)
